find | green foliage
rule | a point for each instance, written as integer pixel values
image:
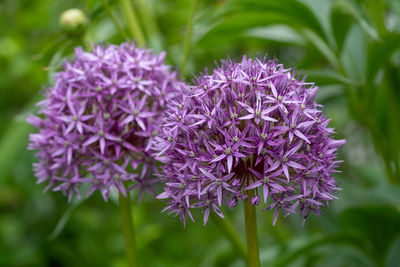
(350, 48)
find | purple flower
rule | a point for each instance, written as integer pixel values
(99, 121)
(250, 125)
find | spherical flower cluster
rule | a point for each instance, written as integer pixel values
(250, 125)
(98, 122)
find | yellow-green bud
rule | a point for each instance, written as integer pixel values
(73, 21)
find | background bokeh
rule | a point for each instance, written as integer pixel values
(350, 48)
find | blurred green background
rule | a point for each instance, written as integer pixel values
(350, 48)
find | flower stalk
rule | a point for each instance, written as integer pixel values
(251, 232)
(186, 43)
(114, 19)
(252, 125)
(226, 226)
(132, 22)
(128, 229)
(145, 10)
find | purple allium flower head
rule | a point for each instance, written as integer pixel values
(99, 120)
(250, 125)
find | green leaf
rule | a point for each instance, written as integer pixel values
(233, 18)
(278, 33)
(209, 19)
(379, 54)
(392, 259)
(13, 142)
(353, 55)
(297, 12)
(64, 219)
(294, 253)
(341, 24)
(69, 212)
(321, 9)
(394, 7)
(234, 26)
(352, 11)
(324, 77)
(322, 47)
(365, 224)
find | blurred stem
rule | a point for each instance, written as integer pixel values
(127, 226)
(150, 24)
(114, 19)
(87, 41)
(13, 143)
(377, 15)
(226, 226)
(132, 22)
(186, 43)
(49, 47)
(251, 232)
(65, 218)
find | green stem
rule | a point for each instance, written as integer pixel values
(186, 43)
(147, 16)
(132, 22)
(251, 232)
(127, 225)
(226, 226)
(114, 19)
(150, 25)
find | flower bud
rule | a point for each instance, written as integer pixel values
(233, 202)
(255, 200)
(236, 182)
(73, 21)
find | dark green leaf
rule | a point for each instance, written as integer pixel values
(365, 224)
(379, 54)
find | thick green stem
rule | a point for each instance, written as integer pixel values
(132, 22)
(226, 226)
(186, 43)
(251, 232)
(129, 233)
